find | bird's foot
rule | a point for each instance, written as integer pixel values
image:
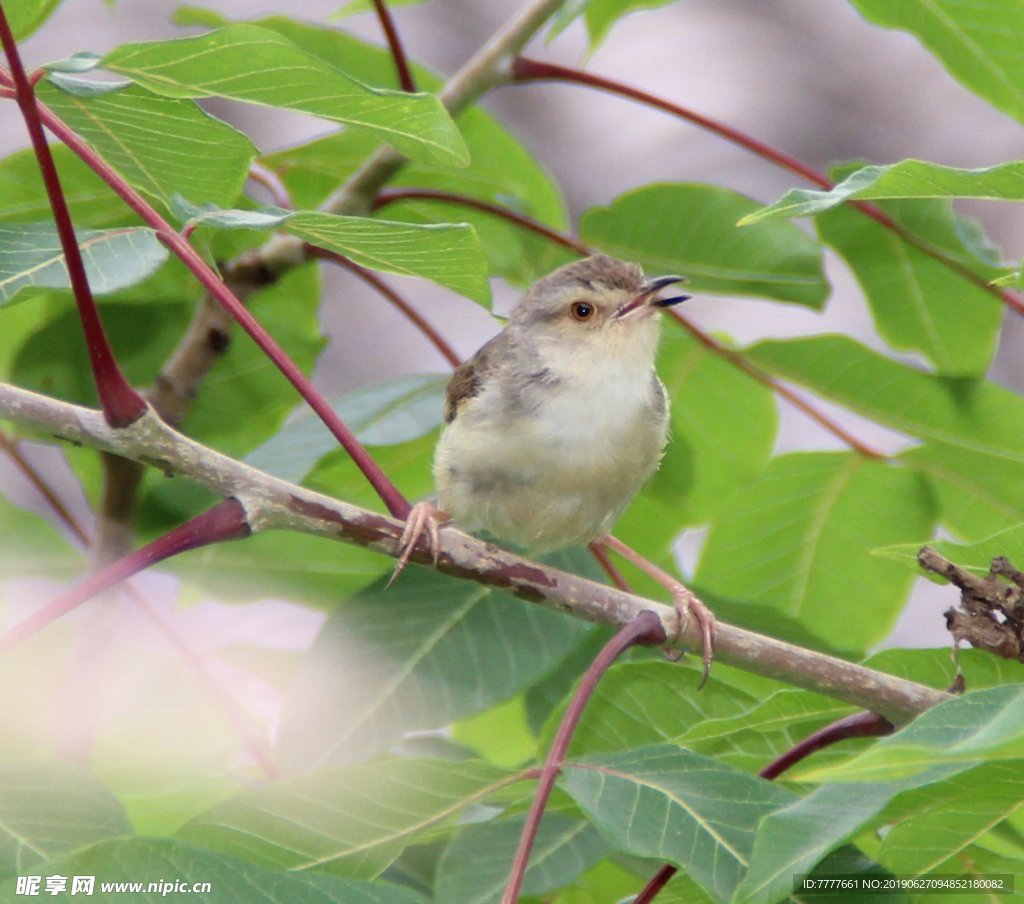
(424, 520)
(687, 604)
(685, 601)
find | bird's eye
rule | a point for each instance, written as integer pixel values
(582, 310)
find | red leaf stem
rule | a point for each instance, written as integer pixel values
(121, 404)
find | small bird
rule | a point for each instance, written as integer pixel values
(553, 426)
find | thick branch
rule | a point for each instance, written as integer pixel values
(271, 503)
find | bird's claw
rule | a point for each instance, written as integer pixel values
(687, 604)
(423, 520)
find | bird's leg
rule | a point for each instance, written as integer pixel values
(424, 520)
(685, 601)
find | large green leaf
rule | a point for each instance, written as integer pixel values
(801, 539)
(642, 703)
(476, 864)
(906, 179)
(958, 733)
(245, 399)
(462, 648)
(976, 41)
(349, 822)
(918, 303)
(502, 170)
(154, 142)
(383, 414)
(50, 809)
(25, 16)
(54, 359)
(165, 868)
(448, 253)
(300, 567)
(23, 196)
(664, 802)
(974, 415)
(791, 840)
(933, 750)
(979, 494)
(31, 258)
(691, 229)
(757, 735)
(32, 545)
(245, 62)
(600, 15)
(721, 438)
(939, 821)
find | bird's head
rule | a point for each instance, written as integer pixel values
(597, 304)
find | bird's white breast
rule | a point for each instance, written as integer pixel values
(554, 463)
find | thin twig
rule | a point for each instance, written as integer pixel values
(255, 745)
(272, 183)
(644, 629)
(10, 448)
(860, 725)
(225, 521)
(526, 70)
(271, 503)
(392, 195)
(405, 78)
(392, 498)
(121, 404)
(781, 389)
(372, 279)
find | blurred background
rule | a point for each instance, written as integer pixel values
(810, 77)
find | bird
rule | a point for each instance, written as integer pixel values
(555, 425)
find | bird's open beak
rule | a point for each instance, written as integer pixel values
(651, 288)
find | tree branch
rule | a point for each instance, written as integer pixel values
(270, 503)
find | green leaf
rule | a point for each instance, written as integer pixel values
(791, 840)
(31, 257)
(382, 414)
(939, 821)
(462, 648)
(974, 415)
(985, 724)
(918, 303)
(49, 809)
(160, 865)
(244, 62)
(801, 540)
(600, 15)
(350, 822)
(154, 142)
(300, 567)
(642, 703)
(664, 802)
(975, 557)
(691, 229)
(33, 546)
(245, 399)
(23, 196)
(475, 866)
(978, 494)
(757, 735)
(502, 171)
(906, 179)
(721, 437)
(977, 42)
(353, 7)
(25, 16)
(449, 254)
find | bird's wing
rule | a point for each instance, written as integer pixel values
(469, 377)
